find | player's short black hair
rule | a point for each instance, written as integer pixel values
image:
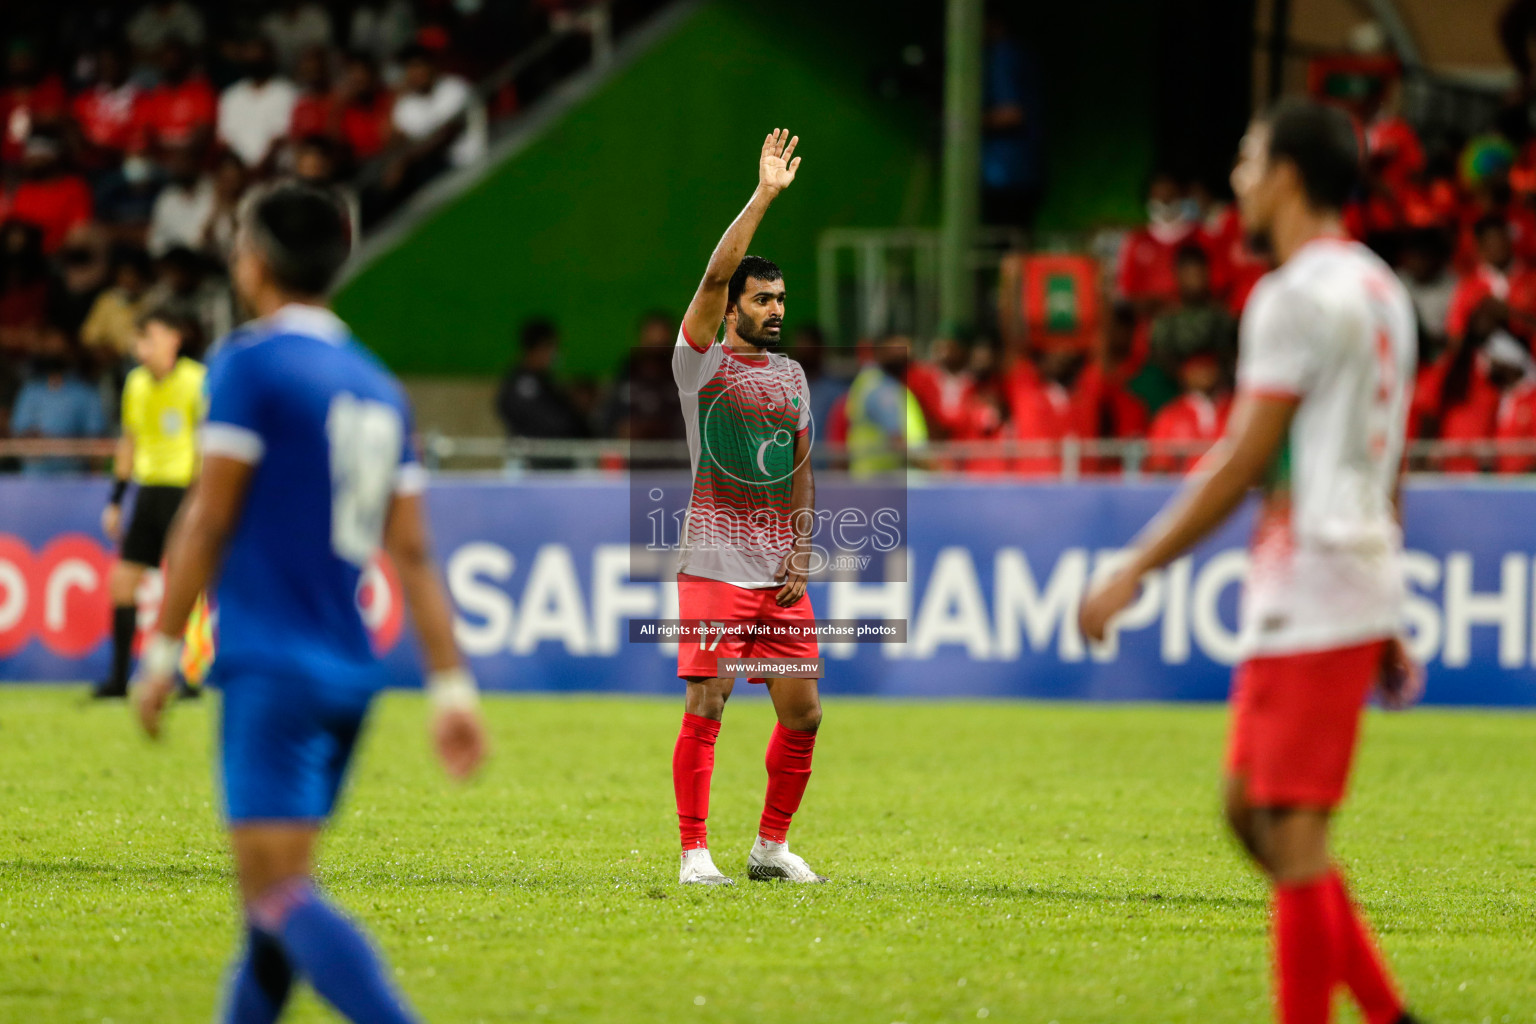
(1321, 141)
(750, 266)
(302, 232)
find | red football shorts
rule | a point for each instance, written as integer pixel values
(705, 601)
(1295, 720)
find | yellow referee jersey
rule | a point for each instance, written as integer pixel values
(162, 417)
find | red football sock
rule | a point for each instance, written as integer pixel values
(1306, 961)
(1361, 966)
(693, 762)
(789, 769)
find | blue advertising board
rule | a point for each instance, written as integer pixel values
(540, 576)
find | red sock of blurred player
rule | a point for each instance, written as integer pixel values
(693, 763)
(1306, 957)
(789, 769)
(1361, 966)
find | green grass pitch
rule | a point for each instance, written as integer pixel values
(1011, 862)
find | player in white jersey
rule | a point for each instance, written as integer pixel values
(1325, 367)
(746, 539)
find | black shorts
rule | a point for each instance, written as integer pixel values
(154, 509)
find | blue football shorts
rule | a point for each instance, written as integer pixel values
(285, 745)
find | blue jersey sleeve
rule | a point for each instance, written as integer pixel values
(236, 426)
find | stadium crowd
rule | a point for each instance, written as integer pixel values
(1455, 214)
(129, 132)
(1455, 217)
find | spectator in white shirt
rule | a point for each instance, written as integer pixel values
(295, 27)
(183, 206)
(437, 116)
(160, 21)
(255, 112)
(228, 179)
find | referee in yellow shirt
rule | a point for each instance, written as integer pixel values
(162, 406)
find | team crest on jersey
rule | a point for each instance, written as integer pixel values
(749, 423)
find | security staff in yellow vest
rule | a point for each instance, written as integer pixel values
(162, 407)
(885, 423)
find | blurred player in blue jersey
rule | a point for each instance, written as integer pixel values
(308, 468)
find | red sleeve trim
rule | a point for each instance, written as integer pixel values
(691, 343)
(1283, 394)
(802, 431)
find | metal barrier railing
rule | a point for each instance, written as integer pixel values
(1068, 459)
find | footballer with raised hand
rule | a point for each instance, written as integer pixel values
(747, 537)
(1325, 369)
(308, 468)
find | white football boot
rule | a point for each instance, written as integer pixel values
(699, 869)
(773, 860)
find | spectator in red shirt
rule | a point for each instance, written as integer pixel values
(1513, 372)
(940, 385)
(1455, 398)
(312, 111)
(32, 99)
(1105, 402)
(1145, 276)
(361, 113)
(1395, 155)
(49, 195)
(984, 415)
(1493, 196)
(1499, 281)
(1040, 399)
(181, 111)
(1236, 265)
(1185, 428)
(107, 111)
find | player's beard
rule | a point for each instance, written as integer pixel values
(756, 332)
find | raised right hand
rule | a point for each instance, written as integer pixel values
(775, 169)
